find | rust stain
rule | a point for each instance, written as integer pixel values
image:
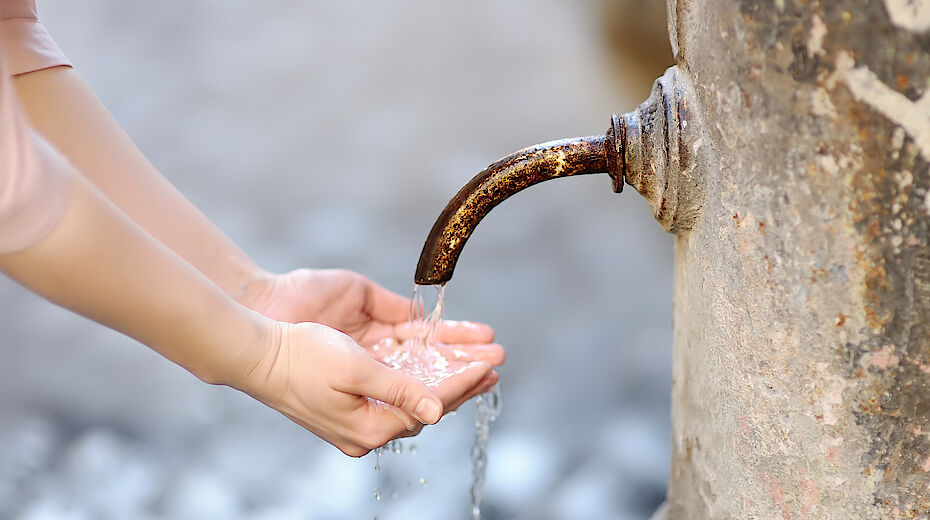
(903, 81)
(504, 178)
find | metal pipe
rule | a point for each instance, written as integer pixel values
(655, 149)
(498, 182)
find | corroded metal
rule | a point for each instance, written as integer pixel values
(789, 151)
(654, 148)
(662, 144)
(504, 178)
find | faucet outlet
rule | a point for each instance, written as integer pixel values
(655, 149)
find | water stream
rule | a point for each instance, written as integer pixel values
(419, 357)
(487, 408)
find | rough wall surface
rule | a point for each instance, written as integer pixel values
(802, 338)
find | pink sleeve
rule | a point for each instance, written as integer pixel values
(34, 178)
(27, 43)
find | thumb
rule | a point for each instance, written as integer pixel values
(402, 391)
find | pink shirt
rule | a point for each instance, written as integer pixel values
(34, 177)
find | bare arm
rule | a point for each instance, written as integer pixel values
(100, 264)
(61, 107)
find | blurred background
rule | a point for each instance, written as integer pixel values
(331, 134)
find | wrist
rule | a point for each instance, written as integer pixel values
(254, 288)
(237, 342)
(251, 369)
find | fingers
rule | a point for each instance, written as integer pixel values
(397, 389)
(464, 332)
(492, 354)
(450, 331)
(384, 305)
(411, 424)
(484, 386)
(455, 389)
(331, 386)
(377, 422)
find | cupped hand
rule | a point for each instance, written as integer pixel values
(353, 304)
(325, 381)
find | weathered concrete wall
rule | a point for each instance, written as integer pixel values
(802, 357)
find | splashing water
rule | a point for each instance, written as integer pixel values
(487, 408)
(415, 355)
(418, 356)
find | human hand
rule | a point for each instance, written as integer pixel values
(324, 381)
(355, 305)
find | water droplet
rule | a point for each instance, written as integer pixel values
(377, 494)
(423, 481)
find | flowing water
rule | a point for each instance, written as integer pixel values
(487, 408)
(419, 356)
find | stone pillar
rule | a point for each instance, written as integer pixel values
(802, 301)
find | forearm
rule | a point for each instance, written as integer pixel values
(62, 108)
(100, 264)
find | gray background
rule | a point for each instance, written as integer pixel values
(331, 133)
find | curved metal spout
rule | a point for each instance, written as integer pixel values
(655, 149)
(516, 172)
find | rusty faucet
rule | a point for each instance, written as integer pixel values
(653, 149)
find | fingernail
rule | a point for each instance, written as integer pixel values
(428, 411)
